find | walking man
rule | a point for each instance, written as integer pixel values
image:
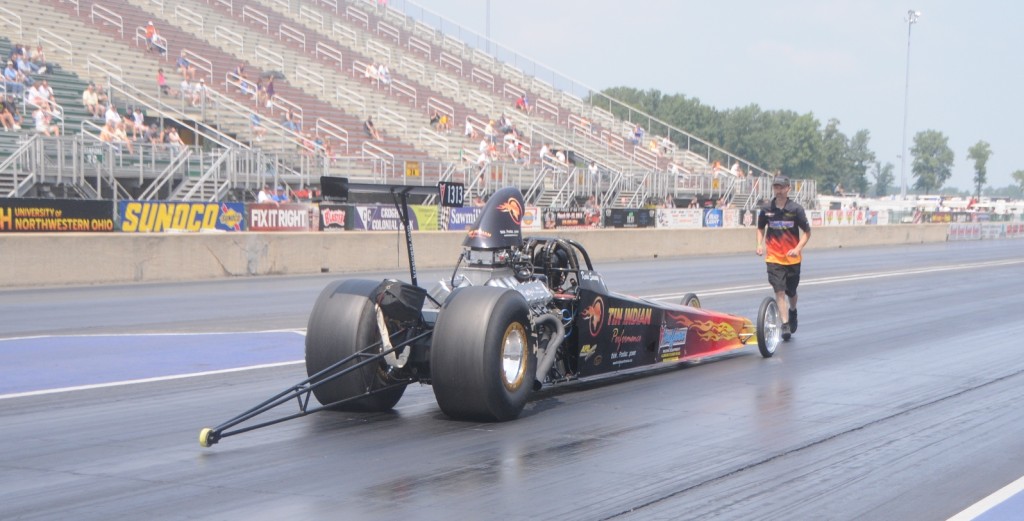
(780, 241)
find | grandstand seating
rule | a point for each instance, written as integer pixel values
(318, 52)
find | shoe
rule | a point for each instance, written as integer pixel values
(792, 321)
(786, 334)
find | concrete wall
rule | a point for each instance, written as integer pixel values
(28, 260)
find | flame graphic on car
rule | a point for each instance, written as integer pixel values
(513, 208)
(594, 315)
(714, 332)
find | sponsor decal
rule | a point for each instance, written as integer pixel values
(478, 233)
(333, 218)
(462, 218)
(632, 316)
(712, 218)
(670, 346)
(594, 315)
(513, 209)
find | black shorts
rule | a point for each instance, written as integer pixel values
(784, 277)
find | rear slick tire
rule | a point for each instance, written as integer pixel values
(482, 360)
(342, 323)
(691, 300)
(769, 327)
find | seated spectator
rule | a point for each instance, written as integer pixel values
(199, 92)
(46, 98)
(261, 94)
(121, 137)
(523, 104)
(271, 92)
(25, 66)
(371, 73)
(489, 133)
(266, 196)
(173, 141)
(112, 115)
(471, 132)
(14, 81)
(370, 129)
(39, 58)
(638, 135)
(153, 135)
(384, 74)
(238, 75)
(91, 101)
(182, 64)
(256, 125)
(435, 121)
(445, 124)
(138, 123)
(107, 136)
(44, 125)
(8, 111)
(161, 83)
(282, 195)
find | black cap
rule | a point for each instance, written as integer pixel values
(780, 181)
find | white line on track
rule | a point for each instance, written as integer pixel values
(193, 333)
(145, 380)
(992, 500)
(666, 296)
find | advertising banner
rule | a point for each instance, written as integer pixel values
(964, 231)
(712, 218)
(332, 217)
(383, 217)
(532, 219)
(55, 215)
(286, 217)
(573, 218)
(461, 218)
(679, 217)
(629, 218)
(167, 216)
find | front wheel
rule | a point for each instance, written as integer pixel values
(482, 362)
(691, 300)
(769, 327)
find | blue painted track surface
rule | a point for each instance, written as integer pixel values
(42, 363)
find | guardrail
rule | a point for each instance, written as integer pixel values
(323, 50)
(452, 62)
(400, 87)
(412, 68)
(386, 29)
(185, 17)
(311, 17)
(312, 78)
(257, 17)
(263, 57)
(339, 134)
(229, 4)
(293, 34)
(201, 63)
(340, 32)
(385, 159)
(415, 44)
(394, 120)
(53, 41)
(107, 16)
(8, 17)
(107, 67)
(352, 98)
(224, 35)
(482, 77)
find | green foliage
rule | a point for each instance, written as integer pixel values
(884, 178)
(796, 144)
(1019, 177)
(979, 153)
(933, 160)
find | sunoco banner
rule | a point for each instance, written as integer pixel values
(162, 216)
(55, 215)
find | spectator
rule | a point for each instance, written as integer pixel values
(150, 33)
(199, 93)
(14, 81)
(282, 195)
(107, 136)
(39, 58)
(471, 132)
(9, 114)
(266, 196)
(44, 125)
(384, 74)
(111, 115)
(153, 135)
(161, 83)
(257, 127)
(370, 129)
(261, 95)
(91, 101)
(183, 65)
(25, 66)
(159, 43)
(271, 91)
(435, 121)
(173, 140)
(638, 135)
(523, 104)
(138, 123)
(489, 133)
(239, 76)
(121, 136)
(371, 72)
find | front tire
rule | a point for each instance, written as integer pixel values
(769, 327)
(342, 323)
(691, 300)
(482, 360)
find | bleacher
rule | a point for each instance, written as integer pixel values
(318, 53)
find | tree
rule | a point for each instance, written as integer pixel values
(883, 178)
(933, 160)
(979, 153)
(861, 158)
(1019, 177)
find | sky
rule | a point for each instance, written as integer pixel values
(841, 59)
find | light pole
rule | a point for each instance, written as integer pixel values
(912, 17)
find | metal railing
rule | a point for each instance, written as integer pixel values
(10, 18)
(56, 42)
(107, 16)
(249, 13)
(186, 17)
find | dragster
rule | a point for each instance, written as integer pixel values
(516, 314)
